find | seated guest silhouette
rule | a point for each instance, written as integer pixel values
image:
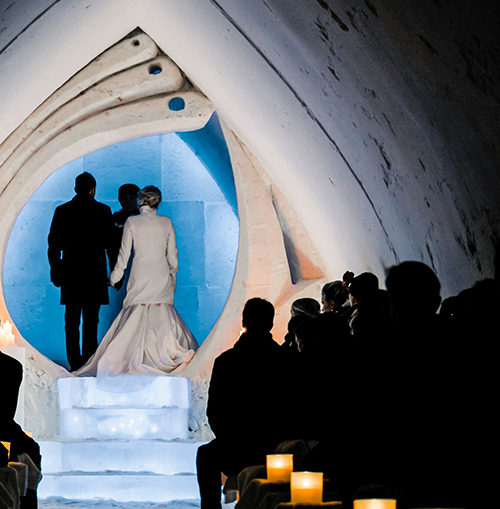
(247, 408)
(11, 376)
(300, 311)
(446, 422)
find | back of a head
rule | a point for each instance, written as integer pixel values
(150, 196)
(364, 286)
(128, 190)
(306, 306)
(336, 291)
(84, 183)
(414, 289)
(258, 315)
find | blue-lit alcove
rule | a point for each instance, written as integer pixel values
(194, 173)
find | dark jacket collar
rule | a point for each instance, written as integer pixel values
(250, 339)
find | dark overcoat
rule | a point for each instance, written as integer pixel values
(248, 409)
(80, 236)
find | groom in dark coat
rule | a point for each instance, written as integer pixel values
(80, 236)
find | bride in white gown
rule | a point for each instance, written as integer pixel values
(148, 336)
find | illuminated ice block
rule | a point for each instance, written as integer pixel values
(109, 423)
(136, 391)
(122, 487)
(155, 456)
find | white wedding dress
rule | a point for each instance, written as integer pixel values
(148, 336)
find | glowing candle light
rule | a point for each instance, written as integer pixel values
(6, 337)
(279, 467)
(7, 446)
(375, 503)
(7, 327)
(306, 487)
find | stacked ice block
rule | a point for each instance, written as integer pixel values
(124, 438)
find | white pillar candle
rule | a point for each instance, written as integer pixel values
(9, 340)
(306, 487)
(7, 327)
(279, 467)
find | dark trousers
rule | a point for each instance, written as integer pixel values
(89, 315)
(230, 459)
(208, 470)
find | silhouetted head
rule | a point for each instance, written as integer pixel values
(258, 315)
(414, 289)
(150, 196)
(84, 183)
(334, 295)
(127, 190)
(306, 306)
(127, 196)
(364, 286)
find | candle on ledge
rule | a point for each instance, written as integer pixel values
(7, 327)
(375, 503)
(279, 467)
(306, 487)
(7, 338)
(7, 446)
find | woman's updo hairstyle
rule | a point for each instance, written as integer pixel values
(150, 196)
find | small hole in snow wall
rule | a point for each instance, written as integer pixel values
(136, 42)
(155, 69)
(176, 104)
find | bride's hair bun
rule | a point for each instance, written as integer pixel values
(149, 195)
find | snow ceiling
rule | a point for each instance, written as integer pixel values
(361, 133)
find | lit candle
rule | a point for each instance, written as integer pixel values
(375, 503)
(9, 340)
(279, 467)
(306, 487)
(7, 446)
(7, 327)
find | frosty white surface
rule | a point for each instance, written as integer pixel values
(139, 391)
(121, 488)
(105, 423)
(122, 439)
(155, 456)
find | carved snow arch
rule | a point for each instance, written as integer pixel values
(133, 90)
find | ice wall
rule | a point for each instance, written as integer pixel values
(206, 228)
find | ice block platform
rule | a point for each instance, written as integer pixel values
(124, 438)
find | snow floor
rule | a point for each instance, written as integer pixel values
(62, 503)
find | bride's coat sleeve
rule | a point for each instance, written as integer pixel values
(171, 253)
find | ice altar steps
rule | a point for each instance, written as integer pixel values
(123, 438)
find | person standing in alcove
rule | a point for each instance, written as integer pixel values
(127, 196)
(80, 237)
(148, 337)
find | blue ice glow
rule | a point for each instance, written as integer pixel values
(206, 226)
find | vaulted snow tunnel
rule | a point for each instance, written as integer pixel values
(369, 129)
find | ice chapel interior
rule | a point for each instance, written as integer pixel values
(292, 141)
